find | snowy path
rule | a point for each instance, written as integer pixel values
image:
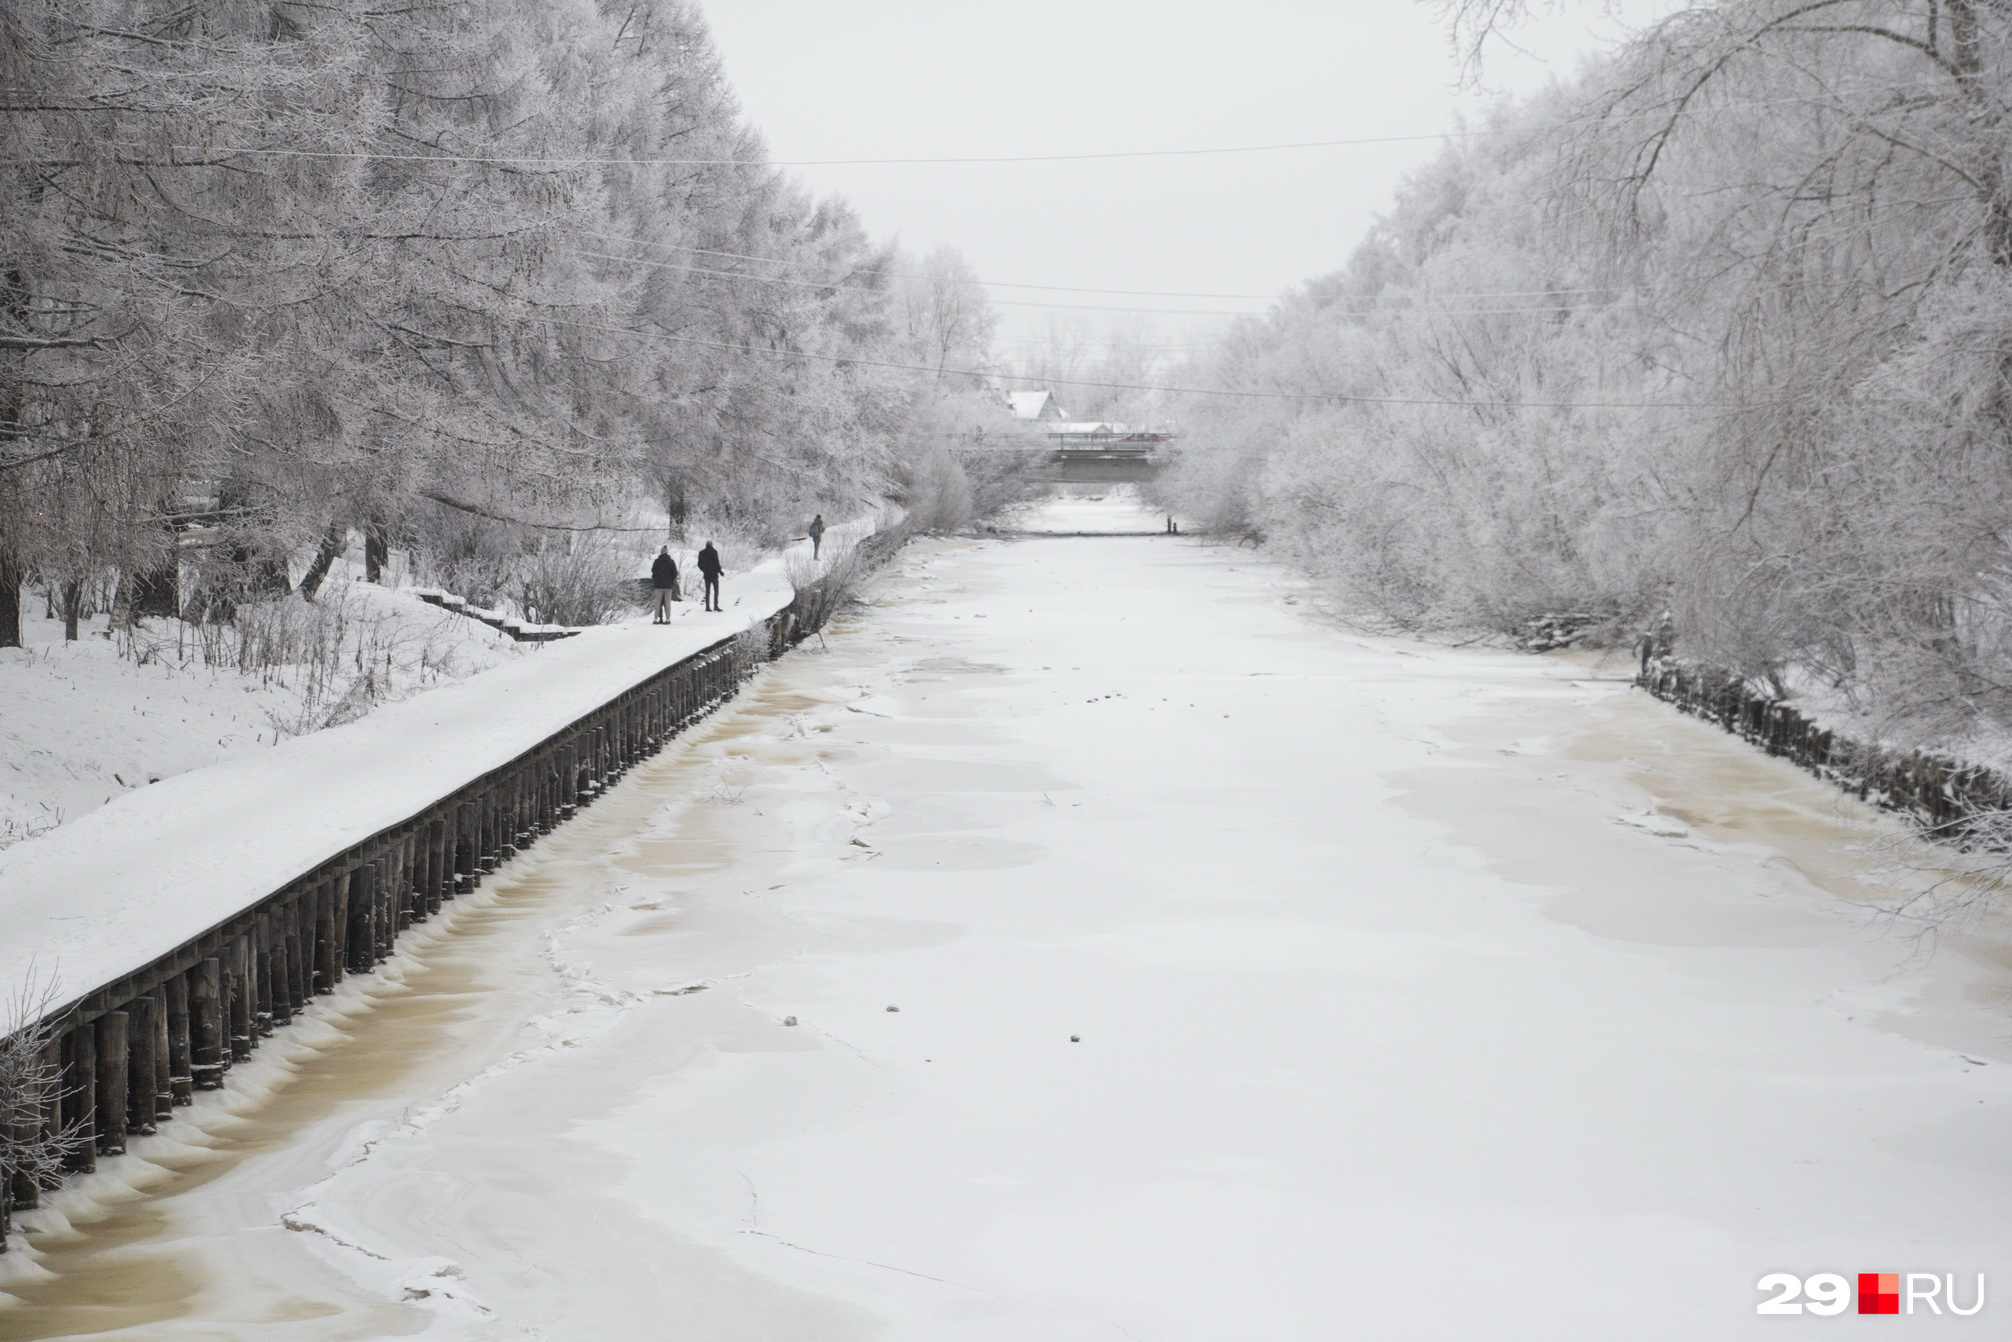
(1402, 1010)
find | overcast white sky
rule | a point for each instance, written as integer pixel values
(828, 79)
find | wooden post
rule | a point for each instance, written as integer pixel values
(362, 945)
(464, 846)
(383, 908)
(80, 1097)
(338, 920)
(164, 1091)
(506, 819)
(244, 1003)
(206, 1025)
(327, 947)
(261, 977)
(402, 868)
(279, 1009)
(227, 973)
(143, 1035)
(514, 842)
(299, 977)
(485, 848)
(180, 1078)
(112, 1044)
(392, 910)
(435, 868)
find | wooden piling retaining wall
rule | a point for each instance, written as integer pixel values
(1944, 796)
(131, 1052)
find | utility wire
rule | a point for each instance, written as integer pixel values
(531, 160)
(1336, 396)
(572, 161)
(1091, 307)
(869, 289)
(1054, 288)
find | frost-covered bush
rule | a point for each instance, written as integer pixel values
(577, 580)
(31, 1083)
(475, 558)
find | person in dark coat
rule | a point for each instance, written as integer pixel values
(816, 534)
(709, 565)
(664, 582)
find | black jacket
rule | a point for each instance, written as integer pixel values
(709, 562)
(663, 572)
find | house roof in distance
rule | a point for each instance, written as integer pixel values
(1035, 405)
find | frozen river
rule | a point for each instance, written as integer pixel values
(1256, 979)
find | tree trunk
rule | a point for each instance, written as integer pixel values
(10, 601)
(73, 597)
(376, 552)
(332, 542)
(158, 591)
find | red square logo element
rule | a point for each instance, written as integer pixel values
(1879, 1293)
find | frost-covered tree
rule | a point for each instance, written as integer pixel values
(1723, 327)
(273, 273)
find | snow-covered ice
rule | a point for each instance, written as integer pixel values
(1256, 979)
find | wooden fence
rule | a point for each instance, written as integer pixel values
(1944, 796)
(131, 1052)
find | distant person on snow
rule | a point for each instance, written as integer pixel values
(709, 565)
(664, 582)
(816, 534)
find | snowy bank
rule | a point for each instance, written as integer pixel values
(104, 895)
(84, 722)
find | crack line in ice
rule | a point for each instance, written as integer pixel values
(885, 1267)
(296, 1220)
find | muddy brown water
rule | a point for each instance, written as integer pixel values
(130, 1268)
(134, 1259)
(1727, 791)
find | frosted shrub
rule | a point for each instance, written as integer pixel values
(30, 1084)
(337, 655)
(820, 595)
(935, 490)
(576, 580)
(472, 557)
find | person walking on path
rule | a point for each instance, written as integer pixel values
(816, 534)
(709, 565)
(664, 582)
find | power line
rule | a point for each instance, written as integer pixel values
(532, 160)
(993, 284)
(1054, 288)
(1336, 396)
(1093, 307)
(573, 161)
(869, 289)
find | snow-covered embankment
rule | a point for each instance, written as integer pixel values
(105, 894)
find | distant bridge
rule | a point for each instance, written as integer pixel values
(1109, 457)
